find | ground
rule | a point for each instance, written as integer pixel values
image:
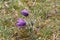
(42, 23)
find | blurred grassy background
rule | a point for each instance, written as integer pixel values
(44, 14)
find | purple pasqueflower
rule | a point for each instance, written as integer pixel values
(24, 12)
(20, 22)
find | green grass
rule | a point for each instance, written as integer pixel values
(44, 14)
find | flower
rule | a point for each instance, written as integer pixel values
(20, 22)
(24, 12)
